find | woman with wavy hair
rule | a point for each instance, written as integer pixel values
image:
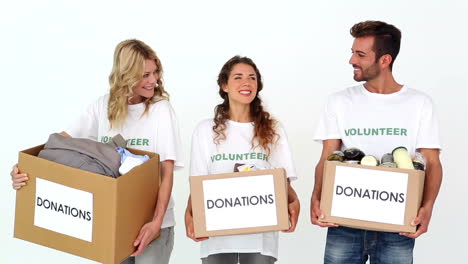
(137, 107)
(240, 125)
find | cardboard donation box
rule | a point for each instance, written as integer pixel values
(239, 202)
(86, 214)
(373, 198)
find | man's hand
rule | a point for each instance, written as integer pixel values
(316, 214)
(421, 221)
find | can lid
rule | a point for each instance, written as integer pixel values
(338, 152)
(400, 147)
(418, 165)
(388, 164)
(369, 160)
(387, 157)
(353, 154)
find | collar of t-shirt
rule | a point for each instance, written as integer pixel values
(378, 95)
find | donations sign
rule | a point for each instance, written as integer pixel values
(239, 203)
(370, 195)
(63, 209)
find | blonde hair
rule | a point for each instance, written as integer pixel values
(127, 71)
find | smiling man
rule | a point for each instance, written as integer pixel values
(376, 117)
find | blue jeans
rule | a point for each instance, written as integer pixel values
(354, 246)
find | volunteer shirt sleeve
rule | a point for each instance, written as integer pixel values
(428, 132)
(168, 142)
(199, 160)
(327, 127)
(86, 126)
(281, 156)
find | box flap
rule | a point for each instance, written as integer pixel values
(136, 200)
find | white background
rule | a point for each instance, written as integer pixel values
(55, 58)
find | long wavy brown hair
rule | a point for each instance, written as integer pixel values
(264, 125)
(127, 71)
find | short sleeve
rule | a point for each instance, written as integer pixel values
(86, 126)
(281, 156)
(168, 143)
(327, 127)
(199, 158)
(428, 131)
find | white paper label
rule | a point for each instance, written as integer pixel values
(240, 202)
(64, 210)
(370, 195)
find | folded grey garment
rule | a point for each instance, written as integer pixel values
(117, 141)
(83, 154)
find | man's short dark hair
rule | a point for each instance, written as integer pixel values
(387, 37)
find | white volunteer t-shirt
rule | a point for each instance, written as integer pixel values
(209, 158)
(157, 131)
(378, 123)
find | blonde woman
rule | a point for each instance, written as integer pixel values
(240, 126)
(137, 107)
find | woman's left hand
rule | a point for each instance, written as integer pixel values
(294, 207)
(148, 233)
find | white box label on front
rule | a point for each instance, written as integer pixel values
(63, 209)
(370, 195)
(239, 202)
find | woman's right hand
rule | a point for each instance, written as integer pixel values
(189, 224)
(18, 179)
